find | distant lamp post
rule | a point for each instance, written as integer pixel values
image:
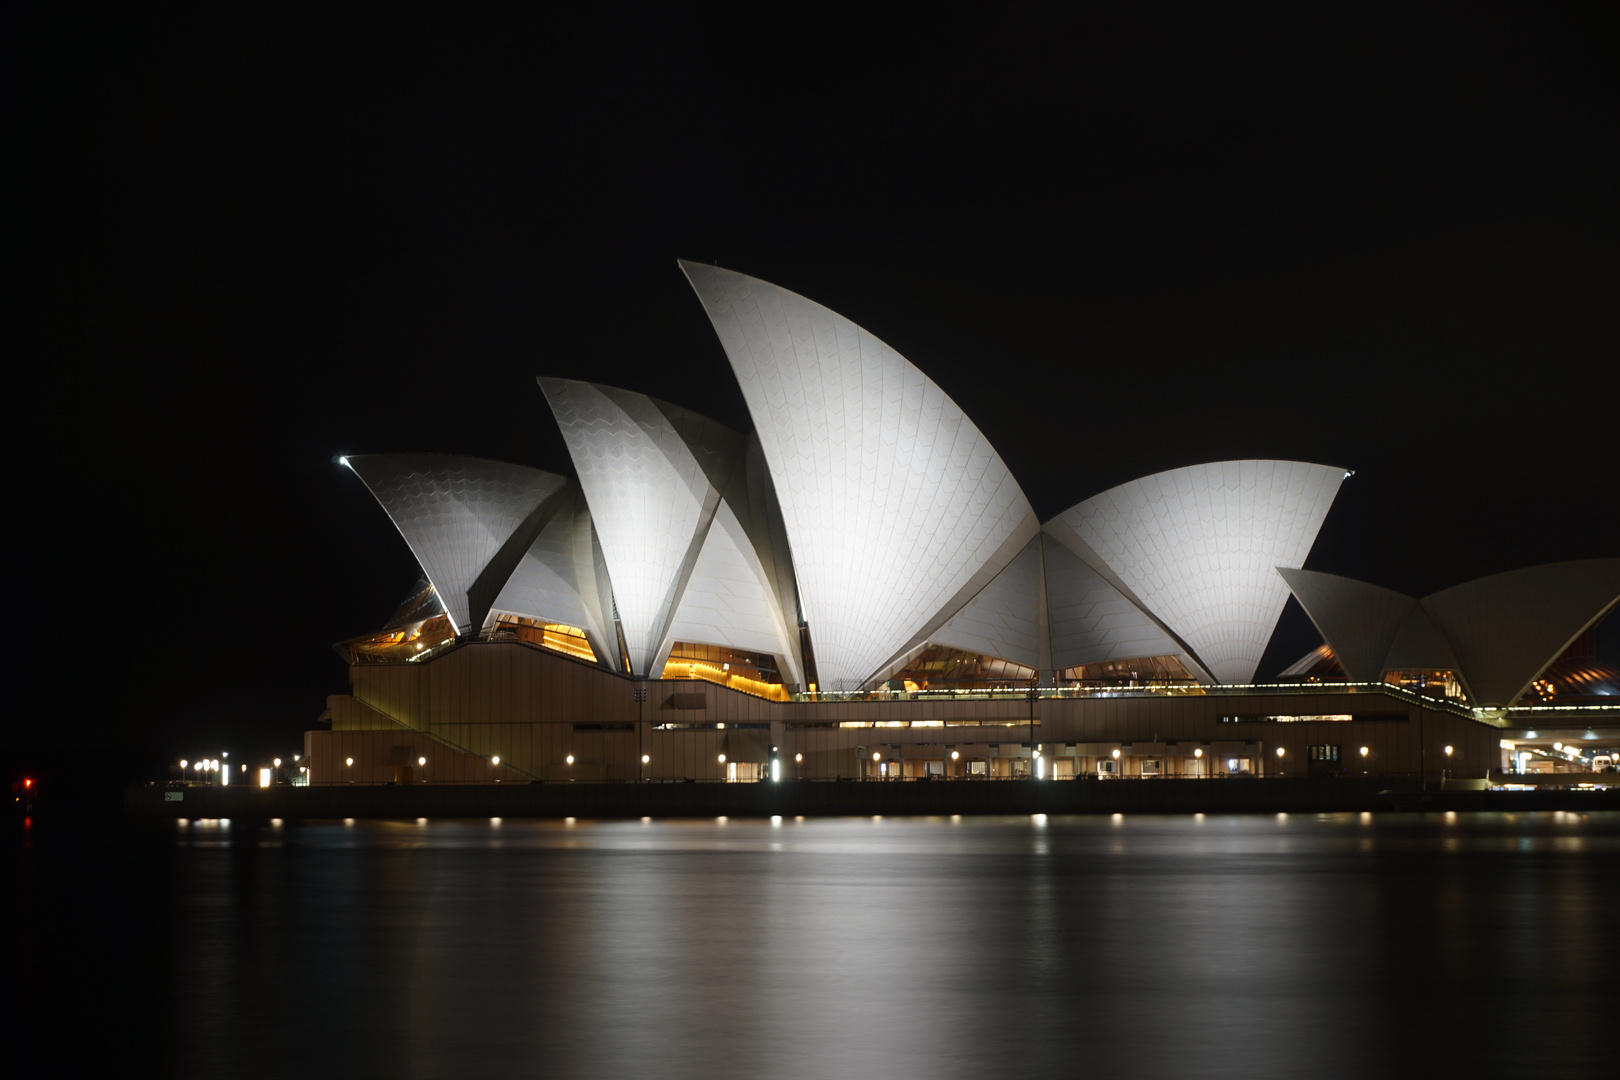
(278, 763)
(646, 758)
(496, 760)
(182, 768)
(570, 759)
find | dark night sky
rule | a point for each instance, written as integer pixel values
(258, 237)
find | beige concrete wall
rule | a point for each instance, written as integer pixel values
(534, 708)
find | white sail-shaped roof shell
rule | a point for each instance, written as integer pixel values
(456, 514)
(897, 508)
(1358, 620)
(1005, 619)
(1506, 628)
(683, 566)
(1199, 547)
(1093, 622)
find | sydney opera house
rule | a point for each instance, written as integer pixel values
(858, 588)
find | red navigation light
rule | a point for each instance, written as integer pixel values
(28, 783)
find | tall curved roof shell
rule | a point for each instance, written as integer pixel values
(897, 509)
(468, 521)
(1507, 627)
(682, 562)
(1199, 547)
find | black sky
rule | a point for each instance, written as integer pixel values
(258, 237)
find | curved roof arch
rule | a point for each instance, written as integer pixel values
(1198, 548)
(897, 508)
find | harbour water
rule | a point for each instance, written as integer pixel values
(1259, 945)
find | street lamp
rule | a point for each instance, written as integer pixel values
(496, 760)
(570, 759)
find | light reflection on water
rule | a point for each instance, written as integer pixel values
(1322, 945)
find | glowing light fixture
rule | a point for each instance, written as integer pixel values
(798, 758)
(1279, 751)
(264, 777)
(496, 760)
(1116, 755)
(722, 759)
(348, 761)
(421, 761)
(1448, 751)
(1363, 751)
(776, 768)
(278, 763)
(570, 759)
(1198, 751)
(645, 758)
(955, 754)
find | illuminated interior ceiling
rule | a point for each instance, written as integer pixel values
(1134, 671)
(467, 520)
(1574, 680)
(417, 628)
(942, 668)
(897, 508)
(1431, 682)
(1198, 548)
(1318, 665)
(683, 524)
(748, 673)
(569, 640)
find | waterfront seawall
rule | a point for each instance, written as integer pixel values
(603, 800)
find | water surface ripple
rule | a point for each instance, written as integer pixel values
(1282, 945)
